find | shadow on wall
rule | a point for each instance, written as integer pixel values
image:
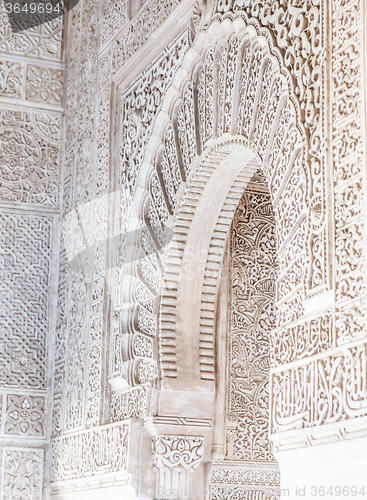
(28, 14)
(78, 261)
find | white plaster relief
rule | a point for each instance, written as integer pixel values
(25, 415)
(92, 452)
(26, 265)
(30, 157)
(22, 474)
(175, 459)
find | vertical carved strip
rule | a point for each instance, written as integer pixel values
(253, 270)
(348, 169)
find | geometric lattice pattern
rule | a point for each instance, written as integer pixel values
(42, 42)
(25, 258)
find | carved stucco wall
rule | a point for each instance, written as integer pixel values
(252, 317)
(100, 39)
(291, 134)
(308, 277)
(31, 129)
(137, 153)
(247, 466)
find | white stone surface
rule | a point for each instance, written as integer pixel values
(149, 340)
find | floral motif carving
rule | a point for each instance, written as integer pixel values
(25, 415)
(10, 78)
(253, 272)
(44, 84)
(175, 458)
(22, 474)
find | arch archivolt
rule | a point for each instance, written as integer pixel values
(195, 254)
(229, 111)
(252, 102)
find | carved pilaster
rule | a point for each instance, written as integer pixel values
(175, 459)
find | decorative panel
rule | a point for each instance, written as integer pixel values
(175, 459)
(94, 452)
(41, 42)
(44, 84)
(25, 253)
(253, 271)
(25, 415)
(30, 156)
(22, 474)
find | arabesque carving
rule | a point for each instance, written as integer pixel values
(89, 453)
(253, 273)
(299, 32)
(140, 104)
(175, 458)
(22, 474)
(347, 144)
(273, 132)
(263, 76)
(10, 78)
(30, 157)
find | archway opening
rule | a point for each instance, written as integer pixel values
(216, 364)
